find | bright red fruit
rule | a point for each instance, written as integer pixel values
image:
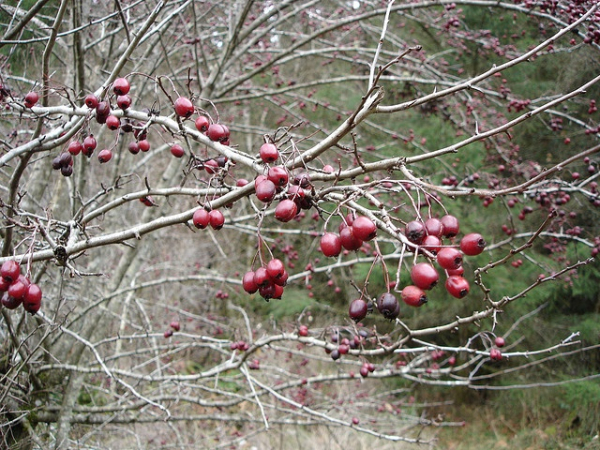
(424, 275)
(31, 99)
(123, 101)
(265, 191)
(121, 86)
(248, 283)
(89, 145)
(143, 145)
(10, 270)
(432, 244)
(177, 150)
(201, 218)
(286, 210)
(278, 175)
(364, 228)
(331, 244)
(269, 153)
(91, 101)
(175, 325)
(472, 244)
(500, 342)
(413, 296)
(358, 309)
(216, 219)
(183, 107)
(451, 227)
(495, 354)
(75, 148)
(457, 286)
(348, 240)
(133, 148)
(275, 269)
(434, 227)
(303, 330)
(217, 132)
(202, 123)
(262, 278)
(105, 155)
(449, 258)
(32, 299)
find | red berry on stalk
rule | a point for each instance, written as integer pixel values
(432, 244)
(415, 231)
(472, 244)
(89, 145)
(457, 286)
(201, 218)
(275, 269)
(364, 228)
(175, 325)
(133, 148)
(75, 148)
(10, 270)
(121, 86)
(278, 175)
(330, 244)
(495, 354)
(124, 101)
(500, 342)
(434, 227)
(177, 150)
(358, 309)
(143, 145)
(286, 210)
(265, 191)
(31, 99)
(248, 283)
(424, 275)
(10, 302)
(216, 219)
(413, 296)
(449, 258)
(104, 156)
(349, 240)
(388, 306)
(202, 123)
(303, 330)
(183, 107)
(217, 132)
(261, 277)
(32, 299)
(91, 101)
(268, 153)
(451, 226)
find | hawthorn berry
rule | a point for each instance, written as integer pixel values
(261, 277)
(268, 153)
(349, 240)
(175, 325)
(495, 354)
(10, 302)
(457, 286)
(286, 210)
(388, 306)
(177, 150)
(303, 330)
(133, 148)
(275, 269)
(10, 270)
(432, 244)
(364, 228)
(358, 309)
(143, 145)
(75, 148)
(449, 258)
(451, 226)
(278, 175)
(201, 218)
(265, 191)
(121, 86)
(413, 296)
(217, 132)
(472, 244)
(202, 123)
(216, 219)
(91, 101)
(500, 342)
(331, 244)
(424, 275)
(124, 101)
(104, 156)
(248, 283)
(32, 300)
(415, 231)
(31, 99)
(183, 107)
(89, 145)
(434, 227)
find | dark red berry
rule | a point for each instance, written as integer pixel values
(495, 354)
(121, 86)
(451, 227)
(449, 258)
(434, 227)
(388, 306)
(457, 286)
(91, 101)
(248, 283)
(32, 300)
(31, 99)
(348, 240)
(432, 244)
(413, 296)
(261, 277)
(105, 155)
(424, 275)
(265, 191)
(144, 145)
(303, 330)
(415, 231)
(183, 107)
(10, 270)
(286, 210)
(275, 269)
(216, 132)
(10, 302)
(133, 148)
(75, 148)
(89, 145)
(472, 244)
(123, 101)
(278, 175)
(358, 309)
(202, 123)
(216, 219)
(201, 218)
(177, 150)
(331, 244)
(364, 228)
(269, 153)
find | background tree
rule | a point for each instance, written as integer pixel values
(168, 166)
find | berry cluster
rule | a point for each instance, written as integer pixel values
(173, 327)
(268, 281)
(203, 218)
(17, 289)
(353, 232)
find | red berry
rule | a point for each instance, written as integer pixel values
(275, 269)
(364, 371)
(364, 228)
(269, 153)
(451, 227)
(348, 240)
(265, 191)
(10, 270)
(500, 342)
(248, 283)
(472, 244)
(216, 219)
(184, 107)
(18, 288)
(261, 277)
(75, 148)
(424, 275)
(303, 330)
(133, 148)
(144, 145)
(201, 218)
(414, 231)
(286, 210)
(10, 302)
(358, 309)
(449, 258)
(434, 227)
(105, 155)
(31, 99)
(211, 166)
(167, 334)
(91, 101)
(278, 175)
(495, 354)
(202, 123)
(177, 150)
(457, 286)
(217, 132)
(331, 244)
(124, 101)
(121, 86)
(432, 244)
(32, 299)
(89, 145)
(388, 306)
(413, 296)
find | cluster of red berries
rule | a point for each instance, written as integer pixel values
(173, 326)
(17, 289)
(353, 232)
(242, 346)
(268, 281)
(203, 218)
(31, 99)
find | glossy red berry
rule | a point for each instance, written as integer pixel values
(330, 244)
(177, 150)
(10, 270)
(413, 296)
(434, 227)
(449, 258)
(424, 275)
(133, 148)
(105, 155)
(102, 112)
(286, 210)
(121, 86)
(451, 226)
(32, 300)
(202, 123)
(248, 283)
(183, 107)
(217, 132)
(261, 277)
(31, 99)
(358, 309)
(364, 228)
(175, 325)
(89, 145)
(432, 244)
(124, 101)
(10, 302)
(472, 244)
(75, 148)
(269, 153)
(201, 218)
(18, 288)
(457, 286)
(500, 342)
(275, 269)
(415, 231)
(278, 175)
(113, 122)
(495, 354)
(216, 219)
(348, 240)
(144, 145)
(265, 191)
(388, 306)
(91, 101)
(303, 330)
